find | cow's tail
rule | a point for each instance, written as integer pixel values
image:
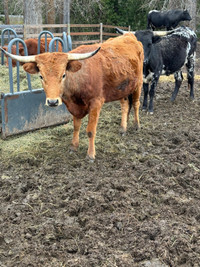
(130, 102)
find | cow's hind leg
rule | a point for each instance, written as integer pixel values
(94, 112)
(190, 75)
(136, 105)
(178, 81)
(125, 112)
(75, 140)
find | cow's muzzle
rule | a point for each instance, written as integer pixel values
(53, 102)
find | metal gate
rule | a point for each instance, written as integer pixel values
(10, 34)
(24, 111)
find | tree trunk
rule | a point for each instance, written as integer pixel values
(6, 13)
(50, 11)
(66, 14)
(33, 15)
(191, 6)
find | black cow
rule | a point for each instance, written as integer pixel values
(164, 56)
(168, 19)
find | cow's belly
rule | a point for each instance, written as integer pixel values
(172, 68)
(123, 89)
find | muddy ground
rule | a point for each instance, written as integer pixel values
(137, 205)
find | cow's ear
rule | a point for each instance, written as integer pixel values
(73, 66)
(31, 68)
(5, 48)
(21, 51)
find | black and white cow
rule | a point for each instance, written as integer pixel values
(167, 19)
(164, 56)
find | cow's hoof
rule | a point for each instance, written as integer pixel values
(122, 132)
(90, 159)
(144, 110)
(136, 127)
(73, 149)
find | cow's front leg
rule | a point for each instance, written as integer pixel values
(94, 112)
(152, 93)
(146, 91)
(75, 140)
(125, 110)
(178, 80)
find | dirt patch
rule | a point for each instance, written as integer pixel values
(137, 205)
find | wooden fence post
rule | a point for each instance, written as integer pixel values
(25, 32)
(101, 32)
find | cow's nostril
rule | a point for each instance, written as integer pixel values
(52, 102)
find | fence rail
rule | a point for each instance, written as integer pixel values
(81, 33)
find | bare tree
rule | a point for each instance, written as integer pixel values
(6, 13)
(191, 6)
(33, 14)
(66, 11)
(50, 10)
(66, 14)
(85, 9)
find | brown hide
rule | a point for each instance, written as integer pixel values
(32, 46)
(112, 74)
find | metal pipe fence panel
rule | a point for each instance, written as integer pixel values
(24, 111)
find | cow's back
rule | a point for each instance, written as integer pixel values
(117, 67)
(32, 45)
(117, 54)
(42, 45)
(157, 18)
(128, 55)
(176, 48)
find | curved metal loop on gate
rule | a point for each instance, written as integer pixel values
(17, 41)
(64, 36)
(9, 30)
(53, 45)
(45, 33)
(69, 42)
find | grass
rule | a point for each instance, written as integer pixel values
(40, 144)
(4, 80)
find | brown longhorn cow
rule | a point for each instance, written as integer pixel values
(32, 47)
(84, 80)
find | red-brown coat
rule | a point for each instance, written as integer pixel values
(114, 73)
(32, 46)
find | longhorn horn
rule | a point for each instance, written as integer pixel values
(122, 31)
(161, 33)
(71, 56)
(24, 59)
(74, 56)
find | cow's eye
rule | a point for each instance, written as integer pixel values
(41, 77)
(64, 75)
